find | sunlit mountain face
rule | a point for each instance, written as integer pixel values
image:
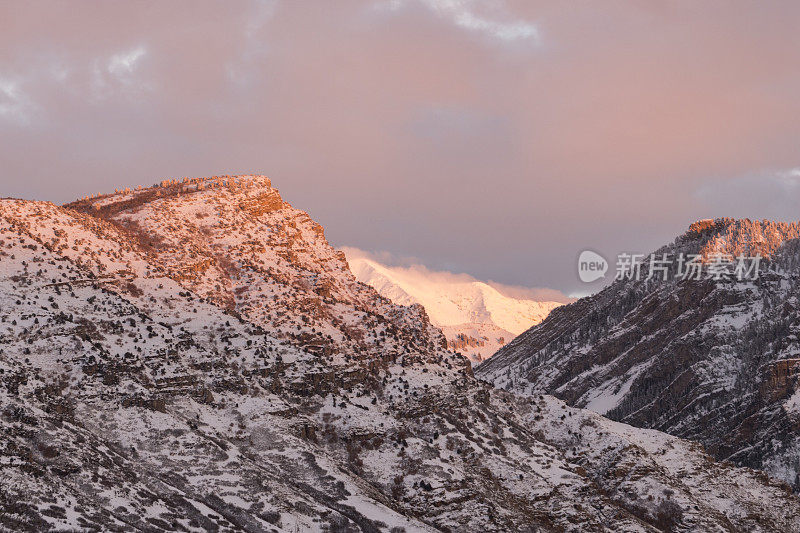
(476, 318)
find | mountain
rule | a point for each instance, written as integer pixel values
(476, 318)
(714, 361)
(194, 356)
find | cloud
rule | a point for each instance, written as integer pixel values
(15, 106)
(462, 13)
(487, 18)
(498, 138)
(412, 268)
(789, 178)
(539, 294)
(119, 73)
(382, 257)
(124, 63)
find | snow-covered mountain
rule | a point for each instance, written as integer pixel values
(195, 356)
(716, 361)
(476, 318)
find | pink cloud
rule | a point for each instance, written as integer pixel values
(417, 128)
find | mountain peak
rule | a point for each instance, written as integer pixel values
(738, 236)
(476, 318)
(254, 190)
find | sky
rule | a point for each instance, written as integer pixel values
(494, 138)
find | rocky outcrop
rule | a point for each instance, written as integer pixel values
(462, 341)
(781, 380)
(262, 204)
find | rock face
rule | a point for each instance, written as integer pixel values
(236, 243)
(189, 357)
(713, 361)
(462, 341)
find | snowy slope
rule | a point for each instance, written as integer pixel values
(716, 361)
(226, 372)
(476, 318)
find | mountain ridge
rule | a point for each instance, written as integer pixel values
(688, 357)
(262, 388)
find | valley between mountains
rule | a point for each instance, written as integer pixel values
(195, 356)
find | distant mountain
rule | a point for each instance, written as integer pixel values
(715, 361)
(195, 356)
(476, 318)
